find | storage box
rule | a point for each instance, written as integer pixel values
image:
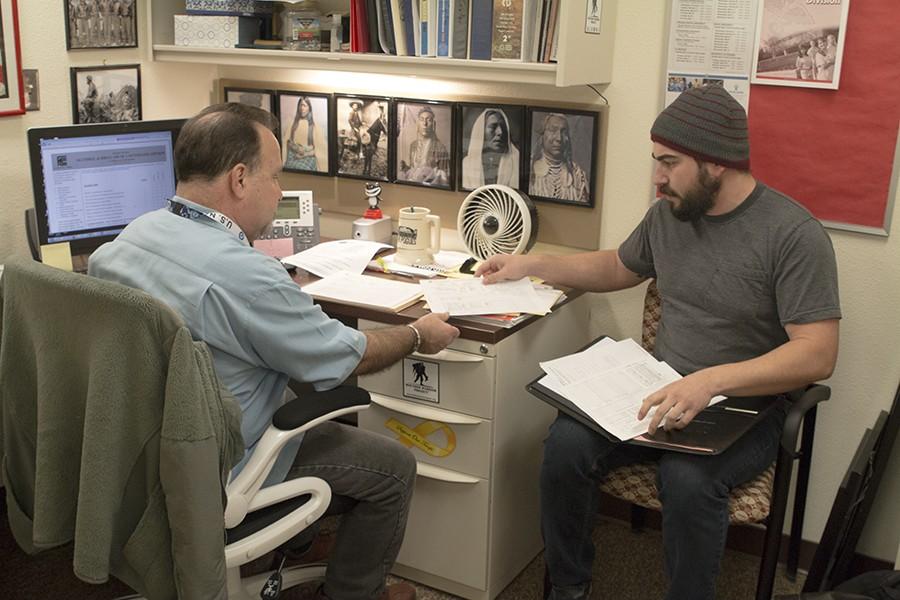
(234, 8)
(215, 31)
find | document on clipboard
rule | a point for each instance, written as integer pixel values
(603, 386)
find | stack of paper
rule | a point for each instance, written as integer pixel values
(609, 381)
(362, 290)
(472, 297)
(328, 258)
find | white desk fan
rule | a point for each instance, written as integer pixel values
(496, 219)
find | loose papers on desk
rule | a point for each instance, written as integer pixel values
(362, 290)
(609, 381)
(472, 297)
(328, 258)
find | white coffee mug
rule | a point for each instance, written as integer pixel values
(418, 236)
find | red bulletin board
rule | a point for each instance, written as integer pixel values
(834, 150)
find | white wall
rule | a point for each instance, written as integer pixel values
(868, 369)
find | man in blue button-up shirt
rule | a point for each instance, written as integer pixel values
(196, 256)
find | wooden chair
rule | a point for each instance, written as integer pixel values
(761, 500)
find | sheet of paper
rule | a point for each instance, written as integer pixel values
(473, 297)
(609, 381)
(328, 258)
(362, 289)
(605, 354)
(57, 255)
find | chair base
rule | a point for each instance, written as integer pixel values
(248, 588)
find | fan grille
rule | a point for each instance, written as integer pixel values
(493, 220)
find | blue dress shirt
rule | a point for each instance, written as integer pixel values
(261, 328)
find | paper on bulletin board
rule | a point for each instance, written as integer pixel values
(711, 42)
(835, 151)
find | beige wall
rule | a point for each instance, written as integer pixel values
(868, 369)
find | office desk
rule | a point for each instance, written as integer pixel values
(477, 436)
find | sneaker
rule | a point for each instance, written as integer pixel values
(571, 592)
(398, 591)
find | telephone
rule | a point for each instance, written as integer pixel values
(295, 228)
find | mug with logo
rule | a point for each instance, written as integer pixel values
(418, 236)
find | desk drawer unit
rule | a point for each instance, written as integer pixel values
(435, 436)
(476, 435)
(453, 379)
(445, 531)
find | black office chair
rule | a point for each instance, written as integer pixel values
(31, 233)
(63, 337)
(761, 500)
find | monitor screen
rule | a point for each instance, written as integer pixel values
(90, 181)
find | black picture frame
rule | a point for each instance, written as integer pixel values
(106, 93)
(470, 170)
(101, 24)
(314, 156)
(437, 170)
(258, 97)
(353, 156)
(573, 136)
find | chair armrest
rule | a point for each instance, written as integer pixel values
(802, 400)
(292, 419)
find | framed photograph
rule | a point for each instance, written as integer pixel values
(106, 93)
(425, 148)
(12, 95)
(562, 155)
(800, 43)
(363, 139)
(264, 99)
(32, 84)
(490, 142)
(101, 24)
(305, 126)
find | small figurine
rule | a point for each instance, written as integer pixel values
(373, 195)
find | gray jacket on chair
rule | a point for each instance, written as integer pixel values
(116, 433)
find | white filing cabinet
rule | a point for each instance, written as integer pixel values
(477, 436)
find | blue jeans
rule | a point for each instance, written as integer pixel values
(379, 474)
(693, 490)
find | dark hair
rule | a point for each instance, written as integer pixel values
(219, 137)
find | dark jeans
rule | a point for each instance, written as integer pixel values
(693, 489)
(379, 474)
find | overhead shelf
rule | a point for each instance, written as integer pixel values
(582, 58)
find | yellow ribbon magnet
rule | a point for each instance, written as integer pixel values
(417, 436)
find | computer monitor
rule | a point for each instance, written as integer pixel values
(90, 181)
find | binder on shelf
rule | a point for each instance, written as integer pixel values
(482, 29)
(398, 28)
(459, 28)
(372, 22)
(506, 39)
(444, 18)
(385, 27)
(409, 19)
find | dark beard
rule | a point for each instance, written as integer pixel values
(698, 200)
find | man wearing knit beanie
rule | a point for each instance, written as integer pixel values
(750, 307)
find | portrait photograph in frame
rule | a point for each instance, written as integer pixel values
(107, 93)
(260, 98)
(562, 155)
(800, 43)
(305, 127)
(424, 149)
(490, 145)
(363, 137)
(101, 24)
(12, 95)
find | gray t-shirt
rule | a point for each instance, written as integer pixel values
(729, 283)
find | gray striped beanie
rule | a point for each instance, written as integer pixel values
(707, 123)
